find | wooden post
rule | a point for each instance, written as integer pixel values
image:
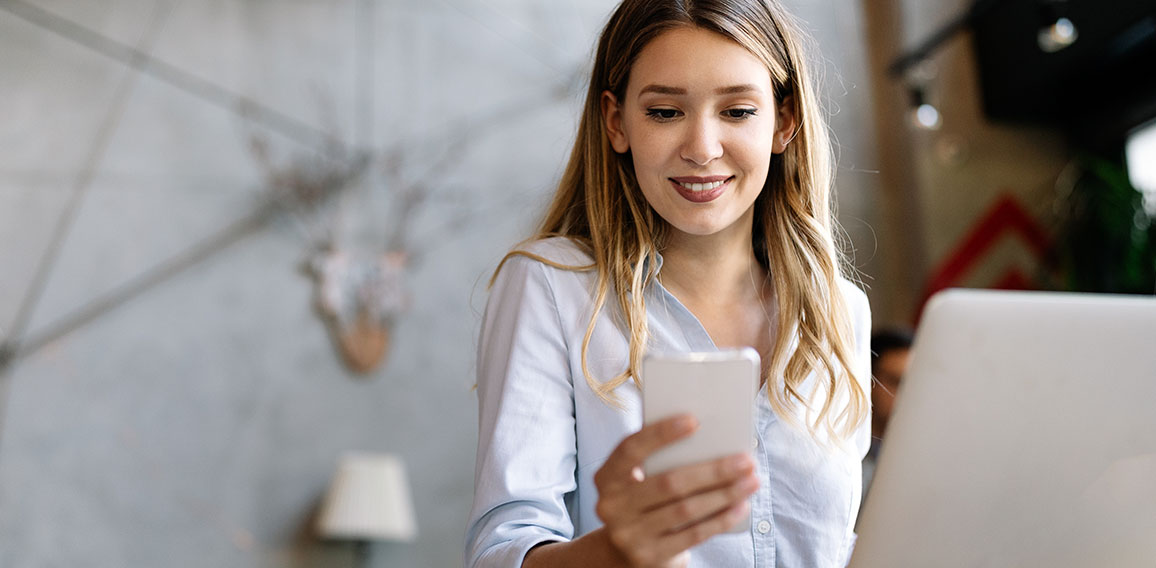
(899, 218)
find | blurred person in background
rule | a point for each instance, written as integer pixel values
(890, 356)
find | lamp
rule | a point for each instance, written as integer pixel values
(368, 500)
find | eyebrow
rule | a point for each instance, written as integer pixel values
(667, 90)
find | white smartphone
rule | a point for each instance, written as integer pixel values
(718, 388)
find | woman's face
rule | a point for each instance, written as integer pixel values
(700, 120)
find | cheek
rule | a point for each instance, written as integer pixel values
(648, 176)
(648, 172)
(752, 152)
(643, 160)
(651, 148)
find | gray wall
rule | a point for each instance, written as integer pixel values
(198, 423)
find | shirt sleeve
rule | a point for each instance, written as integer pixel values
(526, 459)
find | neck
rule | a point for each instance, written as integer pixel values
(714, 268)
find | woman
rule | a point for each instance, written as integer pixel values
(693, 215)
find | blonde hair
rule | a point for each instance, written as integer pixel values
(599, 206)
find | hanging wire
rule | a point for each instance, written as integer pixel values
(12, 344)
(140, 60)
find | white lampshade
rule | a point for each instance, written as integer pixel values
(368, 499)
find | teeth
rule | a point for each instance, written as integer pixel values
(702, 186)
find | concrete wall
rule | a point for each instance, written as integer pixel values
(198, 422)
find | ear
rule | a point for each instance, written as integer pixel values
(786, 125)
(612, 116)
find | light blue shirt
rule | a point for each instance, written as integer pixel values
(543, 433)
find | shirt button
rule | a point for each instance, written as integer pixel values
(764, 527)
(755, 442)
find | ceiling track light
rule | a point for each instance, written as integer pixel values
(924, 115)
(1056, 30)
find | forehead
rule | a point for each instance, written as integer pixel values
(697, 60)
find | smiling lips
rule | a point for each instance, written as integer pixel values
(700, 189)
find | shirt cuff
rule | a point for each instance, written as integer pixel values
(512, 553)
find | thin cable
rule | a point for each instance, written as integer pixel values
(139, 60)
(84, 178)
(11, 347)
(142, 283)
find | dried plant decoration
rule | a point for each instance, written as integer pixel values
(360, 289)
(359, 292)
(357, 297)
(360, 297)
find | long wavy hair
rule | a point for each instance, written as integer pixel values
(600, 207)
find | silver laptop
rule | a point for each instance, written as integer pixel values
(1024, 434)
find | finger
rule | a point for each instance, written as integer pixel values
(685, 513)
(635, 448)
(698, 533)
(685, 481)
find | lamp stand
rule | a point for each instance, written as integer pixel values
(361, 553)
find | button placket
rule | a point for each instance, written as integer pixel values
(764, 553)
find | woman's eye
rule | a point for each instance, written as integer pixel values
(739, 113)
(662, 113)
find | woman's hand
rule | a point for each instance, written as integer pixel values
(653, 521)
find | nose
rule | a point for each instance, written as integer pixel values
(701, 143)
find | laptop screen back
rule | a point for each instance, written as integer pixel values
(1024, 434)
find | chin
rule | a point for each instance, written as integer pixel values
(698, 230)
(710, 223)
